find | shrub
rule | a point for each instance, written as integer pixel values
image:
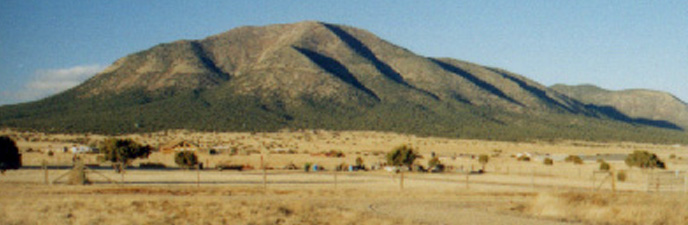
(186, 159)
(621, 176)
(548, 161)
(152, 165)
(359, 161)
(402, 155)
(307, 166)
(523, 158)
(335, 153)
(644, 159)
(123, 152)
(434, 161)
(574, 159)
(604, 166)
(672, 156)
(9, 154)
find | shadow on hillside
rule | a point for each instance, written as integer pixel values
(475, 80)
(535, 91)
(617, 115)
(366, 53)
(337, 69)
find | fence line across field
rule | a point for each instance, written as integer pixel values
(667, 181)
(652, 180)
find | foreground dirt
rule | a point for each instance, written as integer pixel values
(103, 204)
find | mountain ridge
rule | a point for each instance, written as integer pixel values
(315, 75)
(638, 103)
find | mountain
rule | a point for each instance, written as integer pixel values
(641, 104)
(314, 75)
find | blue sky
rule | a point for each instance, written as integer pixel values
(48, 46)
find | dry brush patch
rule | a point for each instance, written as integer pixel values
(27, 204)
(612, 208)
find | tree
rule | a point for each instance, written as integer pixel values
(644, 159)
(574, 159)
(359, 161)
(435, 165)
(186, 159)
(401, 156)
(483, 159)
(10, 159)
(604, 166)
(123, 152)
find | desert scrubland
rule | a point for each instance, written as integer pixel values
(508, 192)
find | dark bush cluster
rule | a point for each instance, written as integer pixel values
(574, 159)
(123, 152)
(9, 154)
(604, 166)
(644, 159)
(401, 156)
(186, 159)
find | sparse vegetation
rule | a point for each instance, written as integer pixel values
(644, 160)
(186, 159)
(548, 161)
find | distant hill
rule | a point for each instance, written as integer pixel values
(314, 75)
(642, 104)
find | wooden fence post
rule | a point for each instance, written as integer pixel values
(611, 173)
(401, 184)
(45, 169)
(198, 175)
(467, 181)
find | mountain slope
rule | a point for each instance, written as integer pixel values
(318, 76)
(645, 104)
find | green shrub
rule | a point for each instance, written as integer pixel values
(402, 155)
(604, 166)
(123, 152)
(574, 159)
(644, 159)
(548, 161)
(186, 159)
(621, 176)
(483, 159)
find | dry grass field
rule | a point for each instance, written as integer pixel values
(509, 192)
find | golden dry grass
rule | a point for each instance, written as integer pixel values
(613, 208)
(511, 192)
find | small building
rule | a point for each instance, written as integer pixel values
(178, 145)
(82, 149)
